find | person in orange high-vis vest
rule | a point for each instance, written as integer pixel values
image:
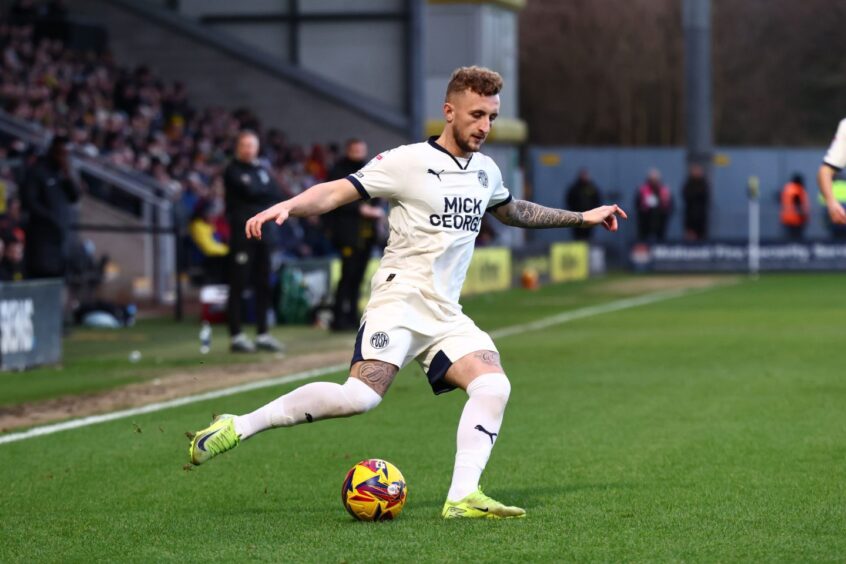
(795, 208)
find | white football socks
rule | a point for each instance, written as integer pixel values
(477, 431)
(312, 402)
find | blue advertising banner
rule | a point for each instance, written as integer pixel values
(734, 256)
(30, 323)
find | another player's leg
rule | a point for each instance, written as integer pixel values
(481, 375)
(368, 382)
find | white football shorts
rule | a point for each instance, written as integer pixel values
(401, 325)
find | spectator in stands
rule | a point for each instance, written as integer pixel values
(47, 194)
(11, 220)
(210, 243)
(314, 239)
(249, 189)
(795, 208)
(487, 234)
(316, 163)
(697, 195)
(582, 195)
(8, 187)
(654, 206)
(12, 265)
(131, 119)
(352, 230)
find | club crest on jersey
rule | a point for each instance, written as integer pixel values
(483, 178)
(379, 340)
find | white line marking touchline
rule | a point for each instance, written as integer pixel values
(557, 319)
(567, 316)
(150, 408)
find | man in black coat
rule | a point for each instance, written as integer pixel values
(582, 195)
(249, 189)
(47, 194)
(352, 231)
(696, 194)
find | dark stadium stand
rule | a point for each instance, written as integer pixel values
(134, 122)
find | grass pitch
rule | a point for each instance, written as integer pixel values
(708, 427)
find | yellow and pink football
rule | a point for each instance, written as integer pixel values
(374, 490)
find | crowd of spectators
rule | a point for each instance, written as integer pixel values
(133, 119)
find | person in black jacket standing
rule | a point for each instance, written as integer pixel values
(582, 195)
(696, 194)
(352, 231)
(47, 194)
(249, 189)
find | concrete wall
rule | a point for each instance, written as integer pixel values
(131, 253)
(215, 77)
(470, 34)
(618, 172)
(366, 56)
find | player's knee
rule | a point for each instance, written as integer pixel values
(360, 397)
(494, 385)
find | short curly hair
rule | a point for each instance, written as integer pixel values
(481, 80)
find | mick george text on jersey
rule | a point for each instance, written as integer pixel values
(459, 213)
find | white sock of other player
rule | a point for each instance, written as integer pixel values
(312, 402)
(477, 431)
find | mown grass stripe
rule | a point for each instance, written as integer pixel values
(543, 323)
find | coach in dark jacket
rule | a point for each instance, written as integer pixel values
(47, 194)
(352, 231)
(249, 189)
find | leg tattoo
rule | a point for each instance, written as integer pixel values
(376, 374)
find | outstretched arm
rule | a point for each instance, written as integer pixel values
(317, 200)
(521, 213)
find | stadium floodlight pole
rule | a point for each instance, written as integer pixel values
(696, 21)
(753, 186)
(415, 67)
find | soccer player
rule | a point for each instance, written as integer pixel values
(833, 162)
(438, 192)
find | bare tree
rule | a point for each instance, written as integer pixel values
(611, 71)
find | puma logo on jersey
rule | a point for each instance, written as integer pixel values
(485, 431)
(438, 174)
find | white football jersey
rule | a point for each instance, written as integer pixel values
(436, 206)
(836, 155)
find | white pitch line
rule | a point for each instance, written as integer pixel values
(550, 321)
(150, 408)
(590, 311)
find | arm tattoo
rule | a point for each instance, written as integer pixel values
(376, 374)
(521, 213)
(488, 357)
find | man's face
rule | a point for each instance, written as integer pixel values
(654, 177)
(357, 152)
(471, 116)
(14, 251)
(247, 148)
